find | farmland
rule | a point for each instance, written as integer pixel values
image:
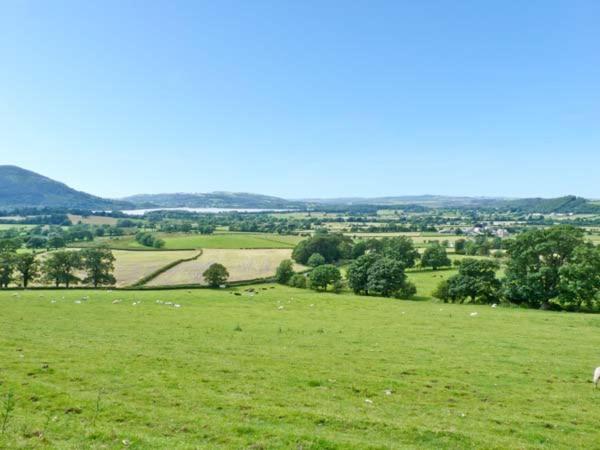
(288, 368)
(196, 241)
(242, 264)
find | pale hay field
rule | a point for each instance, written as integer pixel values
(242, 264)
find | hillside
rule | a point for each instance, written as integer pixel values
(213, 200)
(20, 188)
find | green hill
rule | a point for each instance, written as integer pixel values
(20, 188)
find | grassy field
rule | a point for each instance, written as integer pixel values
(217, 240)
(246, 264)
(289, 368)
(8, 226)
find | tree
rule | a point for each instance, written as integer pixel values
(459, 246)
(328, 245)
(60, 267)
(435, 256)
(56, 241)
(324, 275)
(315, 260)
(99, 266)
(385, 277)
(7, 267)
(476, 280)
(28, 267)
(401, 249)
(36, 242)
(535, 259)
(579, 279)
(285, 271)
(216, 275)
(10, 245)
(358, 273)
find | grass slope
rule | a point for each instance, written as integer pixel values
(290, 368)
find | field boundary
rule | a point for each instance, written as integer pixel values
(142, 281)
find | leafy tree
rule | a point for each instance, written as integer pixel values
(459, 246)
(285, 271)
(435, 257)
(216, 275)
(579, 279)
(60, 267)
(10, 245)
(7, 267)
(56, 241)
(476, 280)
(385, 277)
(535, 259)
(37, 242)
(358, 273)
(401, 249)
(315, 260)
(359, 249)
(328, 245)
(99, 266)
(28, 267)
(324, 275)
(298, 281)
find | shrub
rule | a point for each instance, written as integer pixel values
(408, 290)
(298, 281)
(285, 271)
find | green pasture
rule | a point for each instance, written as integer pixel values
(287, 368)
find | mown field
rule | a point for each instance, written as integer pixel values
(242, 264)
(287, 368)
(196, 241)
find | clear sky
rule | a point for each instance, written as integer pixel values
(304, 98)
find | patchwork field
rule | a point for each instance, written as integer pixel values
(241, 265)
(286, 368)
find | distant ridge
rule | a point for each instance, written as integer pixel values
(20, 188)
(213, 200)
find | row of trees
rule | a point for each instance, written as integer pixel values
(329, 248)
(551, 267)
(149, 240)
(91, 266)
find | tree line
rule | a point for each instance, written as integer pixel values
(90, 266)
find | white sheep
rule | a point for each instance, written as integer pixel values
(596, 376)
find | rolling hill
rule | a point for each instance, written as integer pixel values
(20, 188)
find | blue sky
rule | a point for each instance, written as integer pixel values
(304, 98)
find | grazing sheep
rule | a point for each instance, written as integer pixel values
(596, 376)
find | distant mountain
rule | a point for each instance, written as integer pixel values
(213, 200)
(20, 188)
(564, 205)
(432, 201)
(559, 205)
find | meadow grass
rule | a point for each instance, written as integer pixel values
(196, 241)
(288, 368)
